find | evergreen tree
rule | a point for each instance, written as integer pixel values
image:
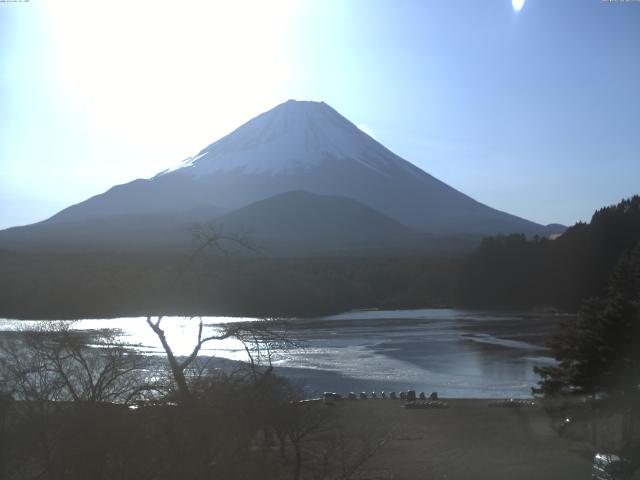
(515, 272)
(598, 350)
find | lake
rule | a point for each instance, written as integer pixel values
(458, 353)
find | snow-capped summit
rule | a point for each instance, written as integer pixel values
(293, 135)
(299, 146)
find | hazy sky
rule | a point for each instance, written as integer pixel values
(535, 112)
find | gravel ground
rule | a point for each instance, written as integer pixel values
(468, 440)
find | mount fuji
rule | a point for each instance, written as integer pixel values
(340, 176)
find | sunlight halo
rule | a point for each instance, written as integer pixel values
(517, 5)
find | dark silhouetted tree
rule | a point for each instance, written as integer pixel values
(598, 351)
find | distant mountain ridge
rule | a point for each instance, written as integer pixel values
(291, 224)
(295, 147)
(302, 222)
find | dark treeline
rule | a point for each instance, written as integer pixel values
(597, 350)
(513, 272)
(70, 286)
(505, 272)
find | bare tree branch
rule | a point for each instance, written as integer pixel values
(210, 237)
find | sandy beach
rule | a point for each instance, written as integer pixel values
(468, 440)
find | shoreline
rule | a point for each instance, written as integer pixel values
(459, 354)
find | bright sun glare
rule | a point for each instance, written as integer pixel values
(178, 60)
(517, 4)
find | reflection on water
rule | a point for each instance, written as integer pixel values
(182, 333)
(456, 353)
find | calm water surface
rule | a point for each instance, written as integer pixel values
(454, 352)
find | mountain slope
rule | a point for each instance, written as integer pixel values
(292, 223)
(304, 146)
(299, 222)
(300, 179)
(125, 232)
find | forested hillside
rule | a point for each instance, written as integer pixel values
(513, 272)
(505, 272)
(105, 285)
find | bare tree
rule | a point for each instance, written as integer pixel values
(259, 339)
(65, 383)
(300, 422)
(210, 237)
(178, 367)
